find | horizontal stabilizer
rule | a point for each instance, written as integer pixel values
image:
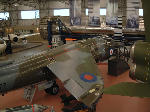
(129, 89)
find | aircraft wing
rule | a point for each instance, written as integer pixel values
(129, 89)
(28, 35)
(77, 69)
(5, 38)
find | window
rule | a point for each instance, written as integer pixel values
(102, 11)
(34, 14)
(140, 12)
(4, 15)
(86, 12)
(61, 12)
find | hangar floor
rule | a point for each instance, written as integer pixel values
(108, 103)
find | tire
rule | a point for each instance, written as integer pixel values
(53, 90)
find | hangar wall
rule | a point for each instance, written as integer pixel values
(46, 9)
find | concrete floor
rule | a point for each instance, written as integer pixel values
(108, 103)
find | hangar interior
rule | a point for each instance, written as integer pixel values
(74, 56)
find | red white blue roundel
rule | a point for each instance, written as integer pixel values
(88, 77)
(111, 52)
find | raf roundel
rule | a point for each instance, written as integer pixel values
(111, 52)
(88, 77)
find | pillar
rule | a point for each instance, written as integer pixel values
(44, 9)
(132, 14)
(94, 12)
(122, 12)
(146, 8)
(75, 12)
(84, 20)
(112, 13)
(14, 15)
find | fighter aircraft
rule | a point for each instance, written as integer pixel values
(19, 38)
(139, 67)
(2, 46)
(72, 63)
(57, 27)
(14, 38)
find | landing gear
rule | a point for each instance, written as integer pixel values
(50, 87)
(53, 90)
(24, 41)
(92, 108)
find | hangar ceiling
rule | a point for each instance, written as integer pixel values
(35, 3)
(22, 2)
(30, 3)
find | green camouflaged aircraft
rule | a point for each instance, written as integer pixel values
(140, 65)
(26, 108)
(72, 63)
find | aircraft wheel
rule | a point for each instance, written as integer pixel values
(53, 90)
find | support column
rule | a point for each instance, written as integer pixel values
(84, 20)
(15, 15)
(118, 33)
(44, 9)
(146, 7)
(121, 17)
(122, 12)
(132, 14)
(75, 12)
(94, 12)
(44, 12)
(112, 13)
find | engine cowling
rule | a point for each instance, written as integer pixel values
(13, 37)
(140, 66)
